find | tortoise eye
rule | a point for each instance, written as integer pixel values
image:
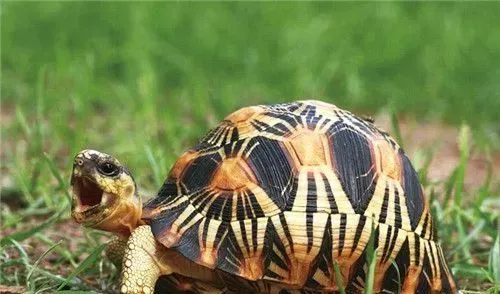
(108, 169)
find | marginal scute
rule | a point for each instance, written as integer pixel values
(252, 268)
(208, 257)
(353, 163)
(181, 163)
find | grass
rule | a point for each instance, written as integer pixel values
(145, 81)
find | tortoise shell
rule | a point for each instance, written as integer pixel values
(282, 192)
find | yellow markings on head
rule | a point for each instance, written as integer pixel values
(89, 154)
(121, 186)
(86, 162)
(77, 172)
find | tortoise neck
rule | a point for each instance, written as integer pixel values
(124, 218)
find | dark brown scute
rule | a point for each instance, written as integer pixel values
(161, 223)
(199, 172)
(413, 191)
(230, 256)
(351, 154)
(271, 167)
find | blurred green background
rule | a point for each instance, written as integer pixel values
(144, 81)
(437, 60)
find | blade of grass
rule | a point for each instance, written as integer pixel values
(463, 145)
(23, 235)
(35, 265)
(154, 165)
(471, 236)
(449, 185)
(396, 131)
(19, 248)
(58, 279)
(61, 250)
(35, 176)
(32, 210)
(338, 277)
(470, 271)
(93, 257)
(395, 265)
(21, 119)
(463, 142)
(494, 261)
(57, 175)
(39, 105)
(484, 190)
(371, 254)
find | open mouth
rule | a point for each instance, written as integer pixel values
(87, 193)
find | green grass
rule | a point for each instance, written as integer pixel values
(145, 81)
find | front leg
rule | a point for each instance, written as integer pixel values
(140, 266)
(115, 250)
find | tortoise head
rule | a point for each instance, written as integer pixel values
(104, 193)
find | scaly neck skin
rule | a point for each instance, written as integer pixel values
(124, 218)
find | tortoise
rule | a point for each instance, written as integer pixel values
(280, 197)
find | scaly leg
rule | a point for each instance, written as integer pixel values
(140, 266)
(115, 251)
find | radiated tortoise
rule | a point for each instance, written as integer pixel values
(275, 198)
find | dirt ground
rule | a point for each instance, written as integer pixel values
(423, 136)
